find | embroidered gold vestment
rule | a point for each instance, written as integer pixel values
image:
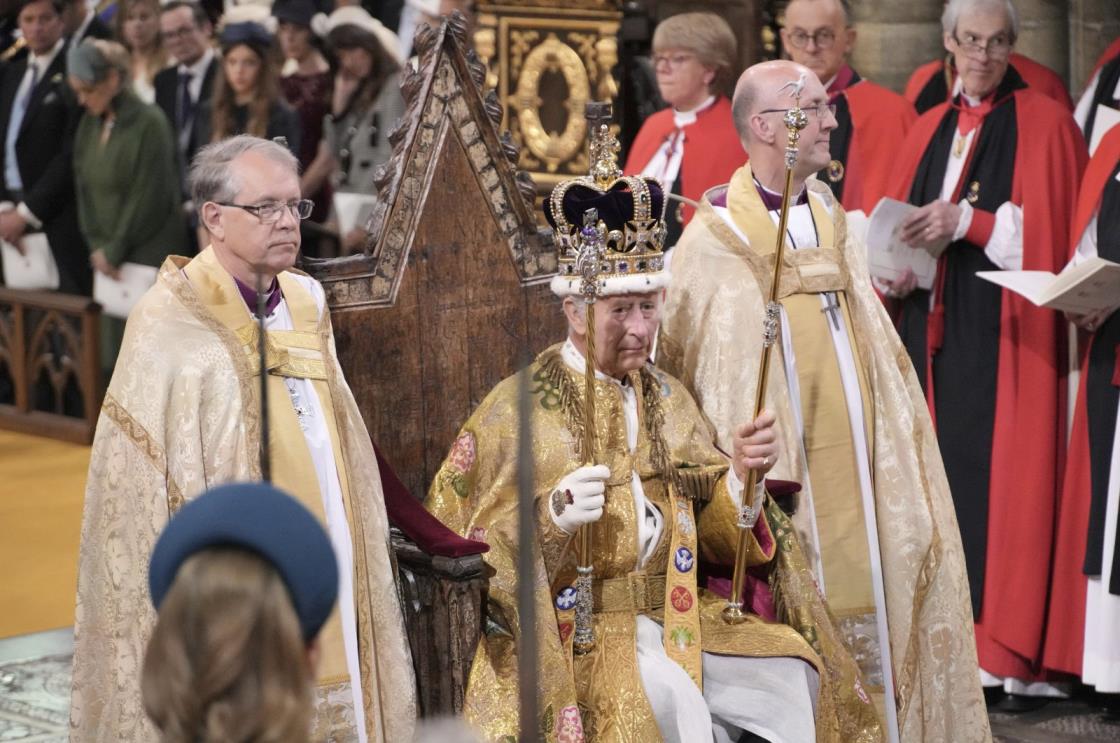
(599, 696)
(181, 415)
(718, 295)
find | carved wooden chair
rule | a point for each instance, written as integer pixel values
(451, 288)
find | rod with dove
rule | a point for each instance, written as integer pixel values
(795, 120)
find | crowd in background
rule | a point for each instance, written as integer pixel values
(104, 106)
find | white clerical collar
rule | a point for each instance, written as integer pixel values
(831, 80)
(574, 359)
(958, 89)
(198, 69)
(684, 118)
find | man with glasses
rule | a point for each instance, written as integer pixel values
(183, 413)
(994, 173)
(871, 120)
(180, 89)
(936, 82)
(874, 512)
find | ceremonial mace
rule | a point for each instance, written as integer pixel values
(795, 120)
(604, 170)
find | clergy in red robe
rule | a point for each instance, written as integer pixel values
(936, 82)
(692, 145)
(871, 121)
(993, 172)
(1083, 632)
(1103, 90)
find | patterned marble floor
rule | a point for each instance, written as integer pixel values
(35, 687)
(35, 698)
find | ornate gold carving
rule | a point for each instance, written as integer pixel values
(547, 57)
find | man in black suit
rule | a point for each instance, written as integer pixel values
(180, 90)
(81, 22)
(38, 117)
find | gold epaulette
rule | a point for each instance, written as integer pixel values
(16, 47)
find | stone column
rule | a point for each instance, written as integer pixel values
(1044, 33)
(895, 38)
(1093, 25)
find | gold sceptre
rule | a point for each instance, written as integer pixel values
(795, 120)
(604, 171)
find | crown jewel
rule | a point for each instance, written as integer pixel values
(610, 229)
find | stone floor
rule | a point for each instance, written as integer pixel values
(1073, 721)
(35, 696)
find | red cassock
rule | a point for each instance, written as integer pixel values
(927, 86)
(712, 150)
(880, 119)
(1065, 633)
(1028, 435)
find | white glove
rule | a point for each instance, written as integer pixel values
(578, 499)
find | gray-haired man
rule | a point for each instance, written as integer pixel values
(182, 414)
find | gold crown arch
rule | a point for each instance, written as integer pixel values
(546, 61)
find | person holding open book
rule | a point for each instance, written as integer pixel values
(124, 174)
(992, 173)
(1083, 635)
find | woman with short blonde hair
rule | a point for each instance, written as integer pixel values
(709, 38)
(692, 145)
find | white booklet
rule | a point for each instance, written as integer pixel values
(34, 268)
(352, 210)
(1092, 285)
(887, 256)
(117, 296)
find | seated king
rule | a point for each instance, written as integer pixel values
(645, 654)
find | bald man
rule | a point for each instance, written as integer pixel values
(875, 510)
(871, 121)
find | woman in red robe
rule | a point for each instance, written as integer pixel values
(692, 145)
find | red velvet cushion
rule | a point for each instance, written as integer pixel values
(408, 515)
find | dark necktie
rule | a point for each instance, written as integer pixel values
(186, 103)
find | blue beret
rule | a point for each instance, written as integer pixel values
(262, 519)
(250, 33)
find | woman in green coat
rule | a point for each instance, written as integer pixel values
(124, 172)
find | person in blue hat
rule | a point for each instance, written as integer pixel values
(247, 97)
(243, 578)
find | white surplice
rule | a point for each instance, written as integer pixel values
(313, 423)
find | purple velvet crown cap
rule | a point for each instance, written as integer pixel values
(615, 206)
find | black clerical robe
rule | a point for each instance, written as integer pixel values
(992, 363)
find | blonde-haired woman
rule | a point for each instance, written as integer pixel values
(692, 145)
(137, 26)
(243, 578)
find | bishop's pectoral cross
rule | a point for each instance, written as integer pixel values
(832, 307)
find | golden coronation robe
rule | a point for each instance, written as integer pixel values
(181, 415)
(599, 696)
(711, 336)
